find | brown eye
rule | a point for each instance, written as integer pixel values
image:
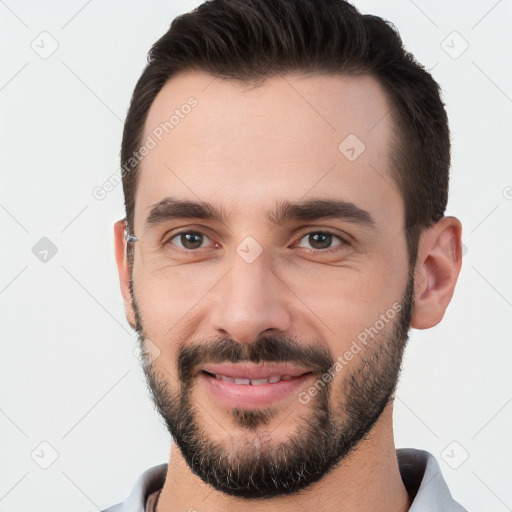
(321, 241)
(189, 240)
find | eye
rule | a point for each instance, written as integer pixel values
(188, 240)
(322, 241)
(319, 241)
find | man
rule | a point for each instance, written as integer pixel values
(285, 171)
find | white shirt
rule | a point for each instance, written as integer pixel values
(419, 470)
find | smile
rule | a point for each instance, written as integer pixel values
(250, 382)
(255, 391)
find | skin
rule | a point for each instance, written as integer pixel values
(244, 149)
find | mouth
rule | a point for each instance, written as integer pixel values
(254, 372)
(273, 379)
(252, 386)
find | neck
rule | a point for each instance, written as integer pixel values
(367, 480)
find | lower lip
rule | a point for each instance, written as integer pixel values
(230, 394)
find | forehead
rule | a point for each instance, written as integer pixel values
(245, 147)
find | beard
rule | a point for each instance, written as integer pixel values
(257, 468)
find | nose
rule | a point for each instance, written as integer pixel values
(251, 300)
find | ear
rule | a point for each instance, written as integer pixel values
(436, 271)
(124, 271)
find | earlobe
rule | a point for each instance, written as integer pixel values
(124, 271)
(436, 272)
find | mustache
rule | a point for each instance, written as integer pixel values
(268, 349)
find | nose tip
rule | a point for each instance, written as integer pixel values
(246, 321)
(245, 333)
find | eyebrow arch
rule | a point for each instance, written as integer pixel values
(316, 209)
(171, 208)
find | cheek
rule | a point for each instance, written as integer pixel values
(166, 299)
(354, 309)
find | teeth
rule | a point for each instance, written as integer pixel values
(253, 382)
(257, 382)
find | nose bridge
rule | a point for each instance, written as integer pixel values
(250, 300)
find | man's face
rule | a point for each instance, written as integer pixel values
(323, 294)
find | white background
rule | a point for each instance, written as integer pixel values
(68, 375)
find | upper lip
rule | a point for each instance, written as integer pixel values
(254, 371)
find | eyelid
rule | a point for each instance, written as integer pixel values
(167, 239)
(345, 240)
(171, 233)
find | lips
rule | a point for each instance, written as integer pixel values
(252, 386)
(253, 374)
(251, 382)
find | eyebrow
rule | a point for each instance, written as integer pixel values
(170, 208)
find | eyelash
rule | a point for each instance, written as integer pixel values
(344, 242)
